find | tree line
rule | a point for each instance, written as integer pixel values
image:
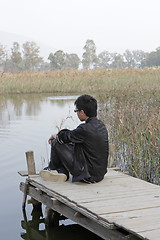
(29, 58)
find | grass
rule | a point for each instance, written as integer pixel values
(133, 121)
(81, 81)
(129, 104)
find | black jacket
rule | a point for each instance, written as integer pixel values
(91, 149)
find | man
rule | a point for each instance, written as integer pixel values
(82, 152)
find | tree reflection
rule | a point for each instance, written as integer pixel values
(15, 106)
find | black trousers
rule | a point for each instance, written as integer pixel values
(62, 157)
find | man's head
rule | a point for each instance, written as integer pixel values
(87, 104)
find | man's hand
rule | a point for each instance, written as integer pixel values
(52, 137)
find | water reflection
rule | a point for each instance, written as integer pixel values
(35, 229)
(26, 123)
(30, 105)
(17, 109)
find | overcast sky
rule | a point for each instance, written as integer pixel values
(114, 25)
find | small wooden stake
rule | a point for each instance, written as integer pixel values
(31, 171)
(30, 163)
(25, 195)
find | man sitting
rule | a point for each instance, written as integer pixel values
(82, 152)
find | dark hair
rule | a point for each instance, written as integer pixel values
(88, 104)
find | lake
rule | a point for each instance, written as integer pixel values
(26, 123)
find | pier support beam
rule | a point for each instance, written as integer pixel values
(51, 218)
(57, 206)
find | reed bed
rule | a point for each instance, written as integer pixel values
(133, 121)
(80, 81)
(129, 104)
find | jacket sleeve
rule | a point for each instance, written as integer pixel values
(75, 136)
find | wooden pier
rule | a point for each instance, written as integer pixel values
(119, 207)
(118, 203)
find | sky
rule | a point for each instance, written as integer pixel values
(113, 25)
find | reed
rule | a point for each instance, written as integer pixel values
(81, 81)
(133, 121)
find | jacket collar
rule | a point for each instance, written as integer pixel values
(89, 119)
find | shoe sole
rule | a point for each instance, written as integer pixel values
(53, 176)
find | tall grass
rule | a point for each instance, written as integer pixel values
(80, 81)
(133, 120)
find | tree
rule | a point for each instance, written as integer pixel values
(153, 58)
(72, 61)
(16, 58)
(3, 58)
(31, 57)
(89, 56)
(104, 59)
(44, 66)
(2, 55)
(117, 61)
(57, 60)
(134, 59)
(140, 58)
(129, 59)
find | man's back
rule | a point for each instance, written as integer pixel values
(91, 147)
(95, 147)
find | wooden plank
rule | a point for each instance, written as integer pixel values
(98, 206)
(151, 234)
(70, 213)
(133, 214)
(140, 224)
(137, 223)
(119, 200)
(70, 203)
(25, 173)
(121, 206)
(109, 194)
(152, 200)
(146, 213)
(99, 203)
(120, 184)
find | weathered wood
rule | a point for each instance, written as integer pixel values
(131, 237)
(118, 202)
(151, 234)
(25, 173)
(25, 194)
(31, 171)
(32, 201)
(30, 163)
(43, 186)
(51, 218)
(70, 213)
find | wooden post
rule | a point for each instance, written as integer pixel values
(31, 171)
(25, 195)
(51, 218)
(30, 163)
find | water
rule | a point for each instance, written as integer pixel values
(26, 123)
